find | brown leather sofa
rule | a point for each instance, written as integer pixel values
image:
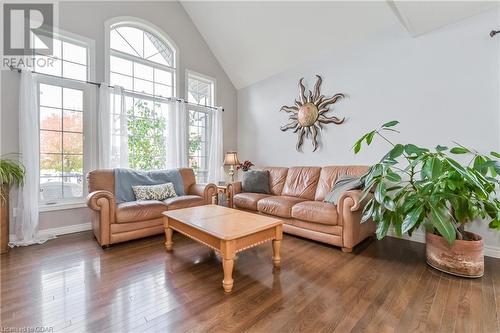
(114, 223)
(297, 196)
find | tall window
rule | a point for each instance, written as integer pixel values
(199, 90)
(64, 113)
(143, 63)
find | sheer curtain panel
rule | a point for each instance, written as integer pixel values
(27, 219)
(215, 156)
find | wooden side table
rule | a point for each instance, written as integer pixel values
(222, 189)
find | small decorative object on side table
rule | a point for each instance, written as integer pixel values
(222, 189)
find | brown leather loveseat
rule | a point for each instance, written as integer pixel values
(114, 223)
(297, 196)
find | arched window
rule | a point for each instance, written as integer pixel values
(141, 60)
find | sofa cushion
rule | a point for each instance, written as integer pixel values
(184, 201)
(329, 175)
(278, 205)
(315, 211)
(318, 227)
(134, 211)
(255, 181)
(248, 200)
(277, 177)
(301, 182)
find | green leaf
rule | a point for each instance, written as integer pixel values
(357, 147)
(441, 221)
(391, 123)
(382, 228)
(368, 211)
(396, 151)
(412, 149)
(369, 137)
(380, 192)
(411, 218)
(441, 148)
(393, 177)
(389, 204)
(459, 150)
(495, 154)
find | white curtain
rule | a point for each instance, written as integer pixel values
(177, 136)
(215, 156)
(26, 221)
(112, 136)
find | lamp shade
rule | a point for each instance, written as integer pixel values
(231, 158)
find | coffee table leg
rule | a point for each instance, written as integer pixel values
(227, 283)
(168, 236)
(277, 246)
(276, 253)
(228, 253)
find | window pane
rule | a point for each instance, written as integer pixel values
(162, 90)
(73, 99)
(50, 142)
(163, 77)
(119, 44)
(74, 71)
(121, 66)
(134, 37)
(50, 165)
(73, 121)
(74, 53)
(158, 58)
(121, 80)
(50, 95)
(50, 188)
(50, 119)
(73, 143)
(143, 86)
(143, 71)
(73, 165)
(72, 186)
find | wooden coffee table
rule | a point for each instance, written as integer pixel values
(225, 230)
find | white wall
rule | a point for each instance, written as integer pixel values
(87, 19)
(442, 86)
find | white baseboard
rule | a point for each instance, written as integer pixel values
(70, 229)
(419, 236)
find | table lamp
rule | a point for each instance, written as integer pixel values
(231, 159)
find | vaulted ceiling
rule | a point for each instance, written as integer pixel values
(256, 40)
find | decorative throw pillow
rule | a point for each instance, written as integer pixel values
(154, 192)
(343, 183)
(255, 181)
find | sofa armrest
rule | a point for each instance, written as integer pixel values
(103, 205)
(206, 191)
(350, 209)
(232, 189)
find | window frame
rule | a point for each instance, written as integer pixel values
(89, 116)
(149, 27)
(201, 108)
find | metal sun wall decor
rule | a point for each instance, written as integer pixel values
(308, 114)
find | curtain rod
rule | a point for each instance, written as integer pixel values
(12, 68)
(494, 32)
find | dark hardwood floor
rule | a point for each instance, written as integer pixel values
(72, 285)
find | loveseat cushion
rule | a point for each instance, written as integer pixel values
(134, 211)
(315, 211)
(247, 200)
(301, 182)
(280, 206)
(184, 201)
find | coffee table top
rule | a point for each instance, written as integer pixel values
(222, 222)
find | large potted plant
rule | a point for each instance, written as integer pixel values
(11, 173)
(414, 186)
